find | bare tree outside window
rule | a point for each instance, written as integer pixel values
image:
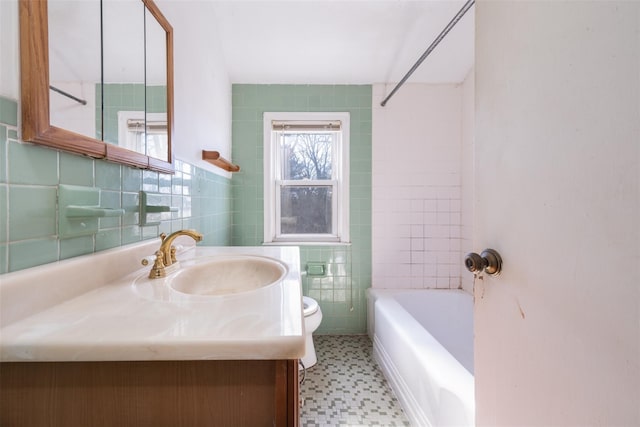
(307, 155)
(306, 177)
(306, 209)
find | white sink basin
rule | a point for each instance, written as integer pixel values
(227, 274)
(104, 307)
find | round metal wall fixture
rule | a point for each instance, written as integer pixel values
(493, 260)
(488, 261)
(474, 262)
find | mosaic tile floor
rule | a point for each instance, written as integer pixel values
(346, 388)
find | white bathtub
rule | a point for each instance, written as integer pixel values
(423, 342)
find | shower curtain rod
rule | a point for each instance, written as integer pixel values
(68, 95)
(433, 45)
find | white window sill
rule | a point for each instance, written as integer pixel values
(306, 244)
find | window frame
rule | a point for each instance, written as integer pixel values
(273, 182)
(138, 141)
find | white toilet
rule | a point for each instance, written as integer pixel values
(312, 319)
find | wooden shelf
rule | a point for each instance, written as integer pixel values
(214, 158)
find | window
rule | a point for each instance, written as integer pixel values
(143, 132)
(306, 186)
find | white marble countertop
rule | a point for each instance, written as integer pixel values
(136, 318)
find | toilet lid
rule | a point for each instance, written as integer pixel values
(310, 306)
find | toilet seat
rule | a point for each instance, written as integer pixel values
(310, 306)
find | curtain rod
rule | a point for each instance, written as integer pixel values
(433, 45)
(68, 95)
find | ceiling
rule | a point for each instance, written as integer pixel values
(343, 41)
(278, 41)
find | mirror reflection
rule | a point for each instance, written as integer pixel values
(74, 65)
(156, 88)
(122, 89)
(108, 73)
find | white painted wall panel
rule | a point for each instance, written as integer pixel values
(467, 180)
(557, 164)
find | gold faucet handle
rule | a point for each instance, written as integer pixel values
(173, 254)
(158, 266)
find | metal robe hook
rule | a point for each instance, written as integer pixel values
(488, 261)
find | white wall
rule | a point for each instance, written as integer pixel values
(557, 156)
(466, 175)
(417, 219)
(9, 69)
(202, 90)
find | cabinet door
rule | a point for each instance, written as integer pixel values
(249, 393)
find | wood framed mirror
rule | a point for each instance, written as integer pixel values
(151, 127)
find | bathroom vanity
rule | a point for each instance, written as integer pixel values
(93, 341)
(160, 393)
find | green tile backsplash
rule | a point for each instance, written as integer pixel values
(3, 150)
(31, 164)
(341, 292)
(30, 174)
(9, 111)
(29, 253)
(76, 170)
(32, 212)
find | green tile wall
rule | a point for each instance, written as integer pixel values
(125, 97)
(30, 174)
(341, 292)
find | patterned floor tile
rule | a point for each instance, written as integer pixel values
(346, 388)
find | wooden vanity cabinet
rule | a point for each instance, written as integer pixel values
(250, 393)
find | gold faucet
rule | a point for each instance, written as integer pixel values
(166, 255)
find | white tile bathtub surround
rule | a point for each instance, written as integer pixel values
(417, 207)
(418, 244)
